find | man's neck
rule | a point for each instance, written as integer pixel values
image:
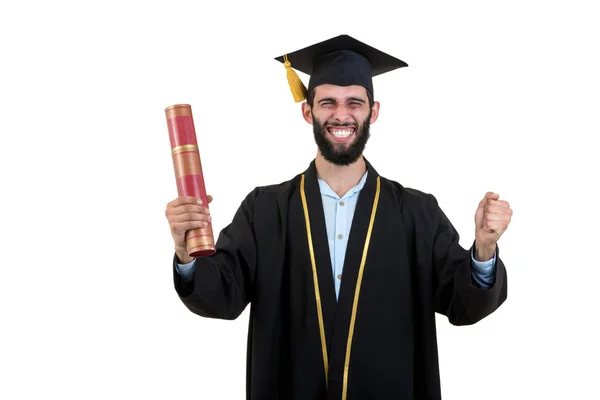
(340, 178)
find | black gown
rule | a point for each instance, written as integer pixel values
(414, 268)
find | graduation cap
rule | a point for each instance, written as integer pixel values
(341, 61)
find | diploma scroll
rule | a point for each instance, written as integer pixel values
(188, 173)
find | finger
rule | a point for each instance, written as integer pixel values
(499, 203)
(209, 198)
(493, 226)
(183, 200)
(482, 202)
(489, 196)
(182, 227)
(497, 217)
(188, 208)
(493, 209)
(492, 196)
(190, 217)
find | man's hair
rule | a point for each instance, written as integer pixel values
(310, 98)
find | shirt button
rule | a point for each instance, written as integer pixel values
(341, 203)
(340, 276)
(340, 236)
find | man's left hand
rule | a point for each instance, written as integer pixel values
(491, 220)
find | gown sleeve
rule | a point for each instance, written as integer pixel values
(457, 295)
(222, 283)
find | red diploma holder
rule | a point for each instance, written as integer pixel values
(188, 173)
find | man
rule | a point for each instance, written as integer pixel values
(344, 269)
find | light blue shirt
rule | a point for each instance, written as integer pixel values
(338, 220)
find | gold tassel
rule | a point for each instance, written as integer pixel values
(296, 86)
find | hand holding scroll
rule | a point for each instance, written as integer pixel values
(186, 213)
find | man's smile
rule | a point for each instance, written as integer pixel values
(341, 134)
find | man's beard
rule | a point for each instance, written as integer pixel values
(337, 153)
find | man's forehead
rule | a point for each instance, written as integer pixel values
(340, 92)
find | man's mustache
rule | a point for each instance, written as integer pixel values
(352, 124)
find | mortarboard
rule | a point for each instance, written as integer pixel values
(341, 61)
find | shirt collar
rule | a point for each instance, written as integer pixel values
(327, 191)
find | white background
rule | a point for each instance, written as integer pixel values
(501, 97)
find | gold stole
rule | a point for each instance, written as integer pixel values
(356, 292)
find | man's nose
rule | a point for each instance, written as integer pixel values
(341, 113)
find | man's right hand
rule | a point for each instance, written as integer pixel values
(186, 213)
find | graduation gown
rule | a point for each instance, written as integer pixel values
(414, 268)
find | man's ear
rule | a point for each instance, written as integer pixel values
(306, 113)
(374, 112)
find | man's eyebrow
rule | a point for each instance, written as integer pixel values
(328, 99)
(352, 98)
(334, 100)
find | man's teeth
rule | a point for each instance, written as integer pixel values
(341, 134)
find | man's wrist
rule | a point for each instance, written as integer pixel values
(183, 256)
(484, 252)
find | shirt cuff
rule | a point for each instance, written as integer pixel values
(186, 271)
(483, 272)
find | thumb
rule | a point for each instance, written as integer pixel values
(492, 196)
(209, 198)
(489, 195)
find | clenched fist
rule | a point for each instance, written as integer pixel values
(491, 220)
(186, 213)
